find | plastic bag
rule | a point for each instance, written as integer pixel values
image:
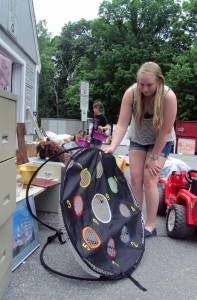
(173, 164)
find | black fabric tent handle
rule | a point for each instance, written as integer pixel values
(34, 175)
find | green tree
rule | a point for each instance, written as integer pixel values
(182, 78)
(108, 51)
(48, 105)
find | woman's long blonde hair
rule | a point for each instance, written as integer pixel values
(152, 69)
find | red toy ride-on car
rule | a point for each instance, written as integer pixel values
(178, 195)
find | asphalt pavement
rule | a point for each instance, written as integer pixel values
(168, 269)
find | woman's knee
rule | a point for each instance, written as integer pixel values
(136, 179)
(149, 180)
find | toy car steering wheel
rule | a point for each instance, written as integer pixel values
(188, 176)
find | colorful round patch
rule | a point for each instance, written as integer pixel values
(90, 237)
(85, 178)
(99, 170)
(101, 209)
(78, 204)
(125, 236)
(124, 210)
(113, 184)
(111, 248)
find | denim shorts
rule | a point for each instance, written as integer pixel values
(95, 142)
(148, 148)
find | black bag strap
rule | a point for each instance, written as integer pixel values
(137, 283)
(33, 176)
(50, 239)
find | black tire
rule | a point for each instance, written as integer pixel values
(162, 205)
(176, 222)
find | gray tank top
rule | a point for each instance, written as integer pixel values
(145, 134)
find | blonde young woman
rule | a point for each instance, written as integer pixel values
(151, 106)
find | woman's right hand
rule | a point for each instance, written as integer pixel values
(109, 149)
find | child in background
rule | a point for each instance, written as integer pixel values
(76, 137)
(65, 138)
(99, 122)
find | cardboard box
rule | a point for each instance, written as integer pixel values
(186, 130)
(31, 150)
(186, 146)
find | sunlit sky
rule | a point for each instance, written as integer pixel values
(59, 12)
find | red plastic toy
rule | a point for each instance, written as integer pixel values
(178, 195)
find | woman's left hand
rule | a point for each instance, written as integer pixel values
(153, 166)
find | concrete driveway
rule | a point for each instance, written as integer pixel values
(168, 269)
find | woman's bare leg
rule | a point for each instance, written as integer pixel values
(136, 161)
(152, 195)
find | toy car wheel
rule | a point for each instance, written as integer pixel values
(176, 222)
(162, 205)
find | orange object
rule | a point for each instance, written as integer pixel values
(91, 237)
(121, 163)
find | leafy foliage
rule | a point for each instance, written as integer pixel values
(184, 84)
(108, 51)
